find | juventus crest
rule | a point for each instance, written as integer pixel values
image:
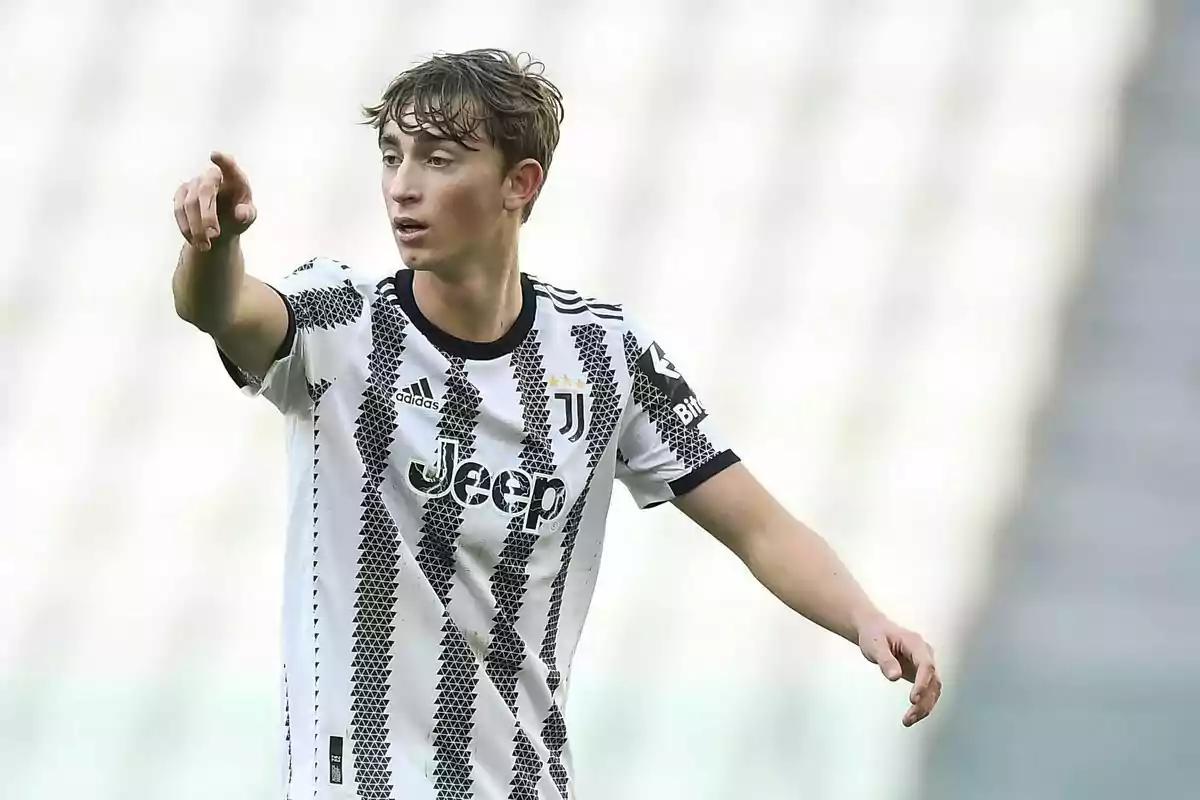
(568, 403)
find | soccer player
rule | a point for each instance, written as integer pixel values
(453, 435)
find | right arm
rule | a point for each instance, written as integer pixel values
(247, 319)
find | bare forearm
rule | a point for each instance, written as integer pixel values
(801, 569)
(788, 558)
(207, 284)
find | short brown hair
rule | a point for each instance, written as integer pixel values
(491, 92)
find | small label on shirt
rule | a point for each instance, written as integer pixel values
(335, 760)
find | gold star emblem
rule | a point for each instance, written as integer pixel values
(566, 381)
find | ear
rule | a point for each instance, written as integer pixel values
(522, 184)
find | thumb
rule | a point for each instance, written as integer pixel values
(245, 213)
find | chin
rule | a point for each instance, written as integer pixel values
(419, 260)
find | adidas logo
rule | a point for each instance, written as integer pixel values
(420, 395)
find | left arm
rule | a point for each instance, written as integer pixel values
(802, 570)
(668, 450)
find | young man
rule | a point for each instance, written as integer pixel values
(454, 432)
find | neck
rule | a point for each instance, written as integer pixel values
(478, 304)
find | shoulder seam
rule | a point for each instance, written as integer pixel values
(569, 301)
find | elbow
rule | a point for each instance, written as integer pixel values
(752, 545)
(188, 309)
(755, 539)
(756, 553)
(774, 540)
(185, 309)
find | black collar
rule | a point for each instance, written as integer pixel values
(463, 348)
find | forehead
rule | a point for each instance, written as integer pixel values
(409, 127)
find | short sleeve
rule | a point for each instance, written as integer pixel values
(667, 444)
(326, 311)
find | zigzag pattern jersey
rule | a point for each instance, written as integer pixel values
(446, 515)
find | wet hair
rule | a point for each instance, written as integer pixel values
(488, 94)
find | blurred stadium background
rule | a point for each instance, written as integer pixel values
(933, 262)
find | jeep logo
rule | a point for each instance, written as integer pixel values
(540, 498)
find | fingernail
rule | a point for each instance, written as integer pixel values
(212, 233)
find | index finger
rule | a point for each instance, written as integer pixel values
(926, 699)
(923, 680)
(229, 167)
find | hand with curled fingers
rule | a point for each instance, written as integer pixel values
(216, 204)
(904, 654)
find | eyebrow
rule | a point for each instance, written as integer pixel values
(422, 137)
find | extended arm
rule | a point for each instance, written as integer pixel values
(247, 319)
(802, 570)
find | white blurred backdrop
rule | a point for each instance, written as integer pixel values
(855, 224)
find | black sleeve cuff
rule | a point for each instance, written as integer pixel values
(243, 378)
(718, 463)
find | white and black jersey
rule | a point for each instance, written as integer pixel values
(446, 515)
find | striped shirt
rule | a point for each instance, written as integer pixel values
(446, 511)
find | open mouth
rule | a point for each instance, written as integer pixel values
(407, 226)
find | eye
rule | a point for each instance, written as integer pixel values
(438, 161)
(391, 160)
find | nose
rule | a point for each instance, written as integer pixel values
(402, 187)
